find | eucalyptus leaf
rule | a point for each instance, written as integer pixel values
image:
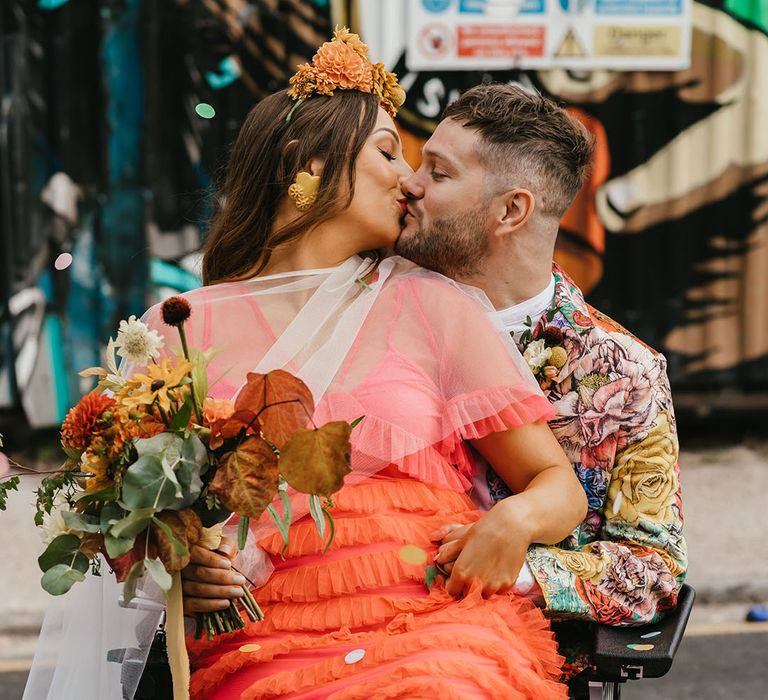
(181, 550)
(80, 522)
(60, 578)
(242, 531)
(135, 522)
(332, 526)
(116, 546)
(61, 550)
(145, 485)
(134, 575)
(110, 514)
(158, 573)
(316, 511)
(356, 422)
(181, 419)
(281, 526)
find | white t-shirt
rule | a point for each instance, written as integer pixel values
(513, 317)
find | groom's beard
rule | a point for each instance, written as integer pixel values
(455, 247)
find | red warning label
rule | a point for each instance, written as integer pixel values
(499, 41)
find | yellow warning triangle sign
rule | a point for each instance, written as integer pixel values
(570, 46)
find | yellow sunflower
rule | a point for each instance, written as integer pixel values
(158, 384)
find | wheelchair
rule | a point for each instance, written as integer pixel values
(614, 660)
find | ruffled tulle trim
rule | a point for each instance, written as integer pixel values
(506, 630)
(473, 416)
(372, 527)
(377, 443)
(402, 495)
(339, 577)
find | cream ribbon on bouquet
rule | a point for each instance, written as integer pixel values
(178, 658)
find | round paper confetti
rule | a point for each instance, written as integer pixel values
(649, 635)
(411, 554)
(63, 261)
(617, 502)
(205, 110)
(640, 647)
(354, 656)
(250, 647)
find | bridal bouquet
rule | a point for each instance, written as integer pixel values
(154, 464)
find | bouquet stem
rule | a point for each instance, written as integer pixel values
(229, 620)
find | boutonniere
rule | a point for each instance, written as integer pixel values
(546, 354)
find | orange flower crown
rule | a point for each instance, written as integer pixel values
(343, 64)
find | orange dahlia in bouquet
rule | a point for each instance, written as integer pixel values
(154, 466)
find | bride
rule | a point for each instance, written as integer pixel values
(286, 287)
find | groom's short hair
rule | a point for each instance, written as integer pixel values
(528, 140)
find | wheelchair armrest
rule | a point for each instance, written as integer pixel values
(615, 660)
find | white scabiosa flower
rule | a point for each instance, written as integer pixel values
(136, 343)
(53, 522)
(537, 354)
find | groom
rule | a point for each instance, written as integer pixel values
(484, 208)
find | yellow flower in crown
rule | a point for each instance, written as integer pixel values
(343, 64)
(155, 385)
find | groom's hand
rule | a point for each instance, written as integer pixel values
(208, 581)
(491, 551)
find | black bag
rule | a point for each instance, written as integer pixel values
(156, 682)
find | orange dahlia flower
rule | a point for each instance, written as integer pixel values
(85, 420)
(344, 66)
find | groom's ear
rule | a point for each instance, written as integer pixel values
(519, 205)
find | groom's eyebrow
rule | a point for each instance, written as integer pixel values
(436, 155)
(389, 131)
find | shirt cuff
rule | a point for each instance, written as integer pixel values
(527, 586)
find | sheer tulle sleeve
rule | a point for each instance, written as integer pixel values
(430, 370)
(483, 379)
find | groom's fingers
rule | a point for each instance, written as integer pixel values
(456, 532)
(443, 531)
(449, 551)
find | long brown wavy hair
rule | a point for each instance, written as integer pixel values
(264, 161)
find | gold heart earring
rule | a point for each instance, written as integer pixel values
(304, 189)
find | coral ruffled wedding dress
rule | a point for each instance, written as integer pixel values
(421, 361)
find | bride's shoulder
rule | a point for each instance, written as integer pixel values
(409, 279)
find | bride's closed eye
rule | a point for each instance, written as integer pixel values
(389, 156)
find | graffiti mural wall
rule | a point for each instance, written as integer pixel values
(670, 235)
(104, 157)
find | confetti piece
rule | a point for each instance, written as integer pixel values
(250, 647)
(640, 647)
(63, 261)
(649, 635)
(227, 72)
(354, 656)
(205, 110)
(411, 554)
(617, 502)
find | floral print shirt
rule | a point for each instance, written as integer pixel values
(624, 564)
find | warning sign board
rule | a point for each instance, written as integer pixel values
(574, 34)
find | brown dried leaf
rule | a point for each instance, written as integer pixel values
(246, 478)
(230, 428)
(294, 402)
(316, 461)
(186, 528)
